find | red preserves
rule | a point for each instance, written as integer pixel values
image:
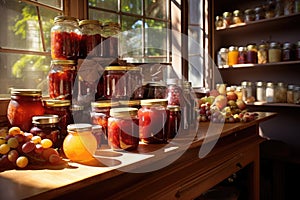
(24, 104)
(110, 39)
(174, 117)
(174, 92)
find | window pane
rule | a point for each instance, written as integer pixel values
(53, 3)
(132, 6)
(156, 38)
(107, 4)
(156, 8)
(103, 16)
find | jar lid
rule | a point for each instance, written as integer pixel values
(258, 9)
(297, 88)
(172, 81)
(251, 47)
(173, 108)
(63, 62)
(86, 21)
(123, 112)
(290, 87)
(104, 104)
(287, 45)
(246, 83)
(77, 107)
(150, 102)
(223, 50)
(122, 68)
(262, 46)
(270, 84)
(236, 13)
(27, 92)
(114, 24)
(249, 11)
(260, 83)
(130, 103)
(242, 49)
(219, 18)
(226, 14)
(79, 127)
(61, 18)
(280, 84)
(233, 48)
(45, 119)
(274, 45)
(57, 102)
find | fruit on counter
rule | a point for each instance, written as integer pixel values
(231, 96)
(214, 93)
(220, 101)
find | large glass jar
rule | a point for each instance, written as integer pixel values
(288, 52)
(260, 91)
(153, 121)
(24, 104)
(237, 17)
(233, 55)
(223, 57)
(247, 90)
(61, 78)
(174, 92)
(252, 54)
(173, 121)
(274, 53)
(280, 93)
(110, 39)
(270, 92)
(90, 39)
(242, 57)
(123, 129)
(46, 126)
(65, 38)
(80, 143)
(115, 83)
(262, 54)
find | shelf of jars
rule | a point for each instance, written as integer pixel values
(279, 64)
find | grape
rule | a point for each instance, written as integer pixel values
(2, 141)
(46, 143)
(38, 149)
(48, 152)
(28, 135)
(28, 147)
(53, 158)
(36, 139)
(14, 131)
(13, 142)
(4, 149)
(22, 161)
(12, 155)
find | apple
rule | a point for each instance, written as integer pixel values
(220, 101)
(214, 93)
(241, 104)
(231, 96)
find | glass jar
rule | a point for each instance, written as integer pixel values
(61, 79)
(134, 82)
(279, 10)
(62, 108)
(115, 83)
(237, 17)
(274, 52)
(155, 90)
(123, 129)
(287, 52)
(259, 13)
(65, 38)
(288, 7)
(298, 51)
(98, 133)
(297, 6)
(110, 39)
(90, 39)
(23, 105)
(297, 94)
(233, 55)
(130, 103)
(227, 19)
(262, 54)
(290, 94)
(222, 57)
(247, 90)
(46, 126)
(153, 121)
(219, 22)
(80, 114)
(242, 57)
(174, 92)
(173, 121)
(260, 91)
(252, 54)
(270, 9)
(270, 92)
(80, 143)
(280, 93)
(249, 15)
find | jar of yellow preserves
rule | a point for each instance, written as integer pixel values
(233, 55)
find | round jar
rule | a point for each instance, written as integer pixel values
(247, 90)
(290, 94)
(279, 10)
(219, 22)
(252, 54)
(280, 93)
(288, 7)
(233, 55)
(242, 57)
(90, 39)
(115, 83)
(270, 92)
(223, 57)
(173, 121)
(123, 129)
(227, 19)
(155, 90)
(80, 143)
(237, 17)
(259, 13)
(270, 9)
(46, 126)
(249, 15)
(260, 91)
(65, 38)
(274, 52)
(262, 54)
(287, 52)
(23, 105)
(61, 79)
(110, 39)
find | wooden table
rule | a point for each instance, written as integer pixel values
(124, 175)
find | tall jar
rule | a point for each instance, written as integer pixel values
(274, 53)
(123, 129)
(247, 90)
(110, 39)
(65, 38)
(90, 39)
(252, 54)
(233, 55)
(223, 57)
(290, 94)
(297, 94)
(249, 15)
(23, 105)
(115, 83)
(80, 143)
(270, 92)
(237, 17)
(280, 93)
(153, 121)
(174, 92)
(47, 127)
(227, 19)
(260, 91)
(262, 54)
(61, 79)
(242, 57)
(173, 121)
(287, 52)
(134, 82)
(270, 9)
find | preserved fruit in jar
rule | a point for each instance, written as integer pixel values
(110, 40)
(290, 94)
(227, 19)
(280, 93)
(123, 129)
(219, 22)
(242, 57)
(223, 57)
(65, 38)
(260, 91)
(237, 17)
(249, 15)
(274, 53)
(155, 90)
(251, 54)
(233, 55)
(115, 82)
(24, 104)
(287, 52)
(173, 121)
(270, 92)
(61, 79)
(174, 92)
(262, 54)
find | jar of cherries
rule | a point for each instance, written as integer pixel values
(174, 92)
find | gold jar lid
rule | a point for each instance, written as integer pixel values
(57, 103)
(62, 18)
(104, 104)
(236, 13)
(227, 14)
(173, 108)
(63, 62)
(233, 48)
(123, 112)
(130, 103)
(122, 68)
(251, 47)
(45, 119)
(86, 21)
(27, 92)
(150, 102)
(80, 127)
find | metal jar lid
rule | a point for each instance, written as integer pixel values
(150, 102)
(45, 119)
(173, 108)
(63, 62)
(104, 104)
(56, 103)
(86, 21)
(80, 127)
(123, 112)
(26, 92)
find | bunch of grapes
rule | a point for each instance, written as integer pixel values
(19, 149)
(208, 112)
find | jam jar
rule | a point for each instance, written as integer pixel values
(219, 22)
(249, 15)
(288, 52)
(237, 17)
(123, 129)
(270, 92)
(174, 92)
(80, 143)
(115, 83)
(260, 91)
(242, 57)
(155, 90)
(223, 57)
(131, 103)
(290, 94)
(65, 38)
(46, 126)
(227, 19)
(173, 121)
(280, 93)
(61, 78)
(262, 54)
(134, 82)
(62, 108)
(233, 55)
(274, 52)
(110, 39)
(252, 54)
(90, 39)
(24, 104)
(153, 121)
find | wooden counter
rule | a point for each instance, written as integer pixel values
(172, 171)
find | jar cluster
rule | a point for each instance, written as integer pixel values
(268, 10)
(258, 54)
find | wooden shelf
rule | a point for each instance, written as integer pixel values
(274, 104)
(295, 63)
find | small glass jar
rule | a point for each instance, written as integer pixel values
(298, 51)
(237, 17)
(270, 92)
(252, 54)
(115, 82)
(279, 10)
(219, 22)
(247, 90)
(297, 94)
(287, 52)
(242, 57)
(223, 57)
(23, 105)
(262, 54)
(65, 38)
(274, 52)
(270, 9)
(288, 7)
(174, 92)
(259, 13)
(153, 121)
(260, 91)
(297, 6)
(173, 121)
(123, 129)
(98, 133)
(134, 82)
(80, 144)
(290, 94)
(227, 19)
(46, 126)
(280, 93)
(249, 15)
(61, 79)
(90, 39)
(233, 55)
(110, 39)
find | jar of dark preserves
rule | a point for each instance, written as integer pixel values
(155, 90)
(274, 52)
(153, 121)
(24, 104)
(270, 9)
(65, 38)
(262, 54)
(259, 13)
(115, 83)
(249, 15)
(287, 52)
(252, 54)
(110, 39)
(279, 8)
(242, 57)
(174, 120)
(123, 129)
(174, 92)
(90, 39)
(134, 82)
(61, 79)
(46, 126)
(227, 19)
